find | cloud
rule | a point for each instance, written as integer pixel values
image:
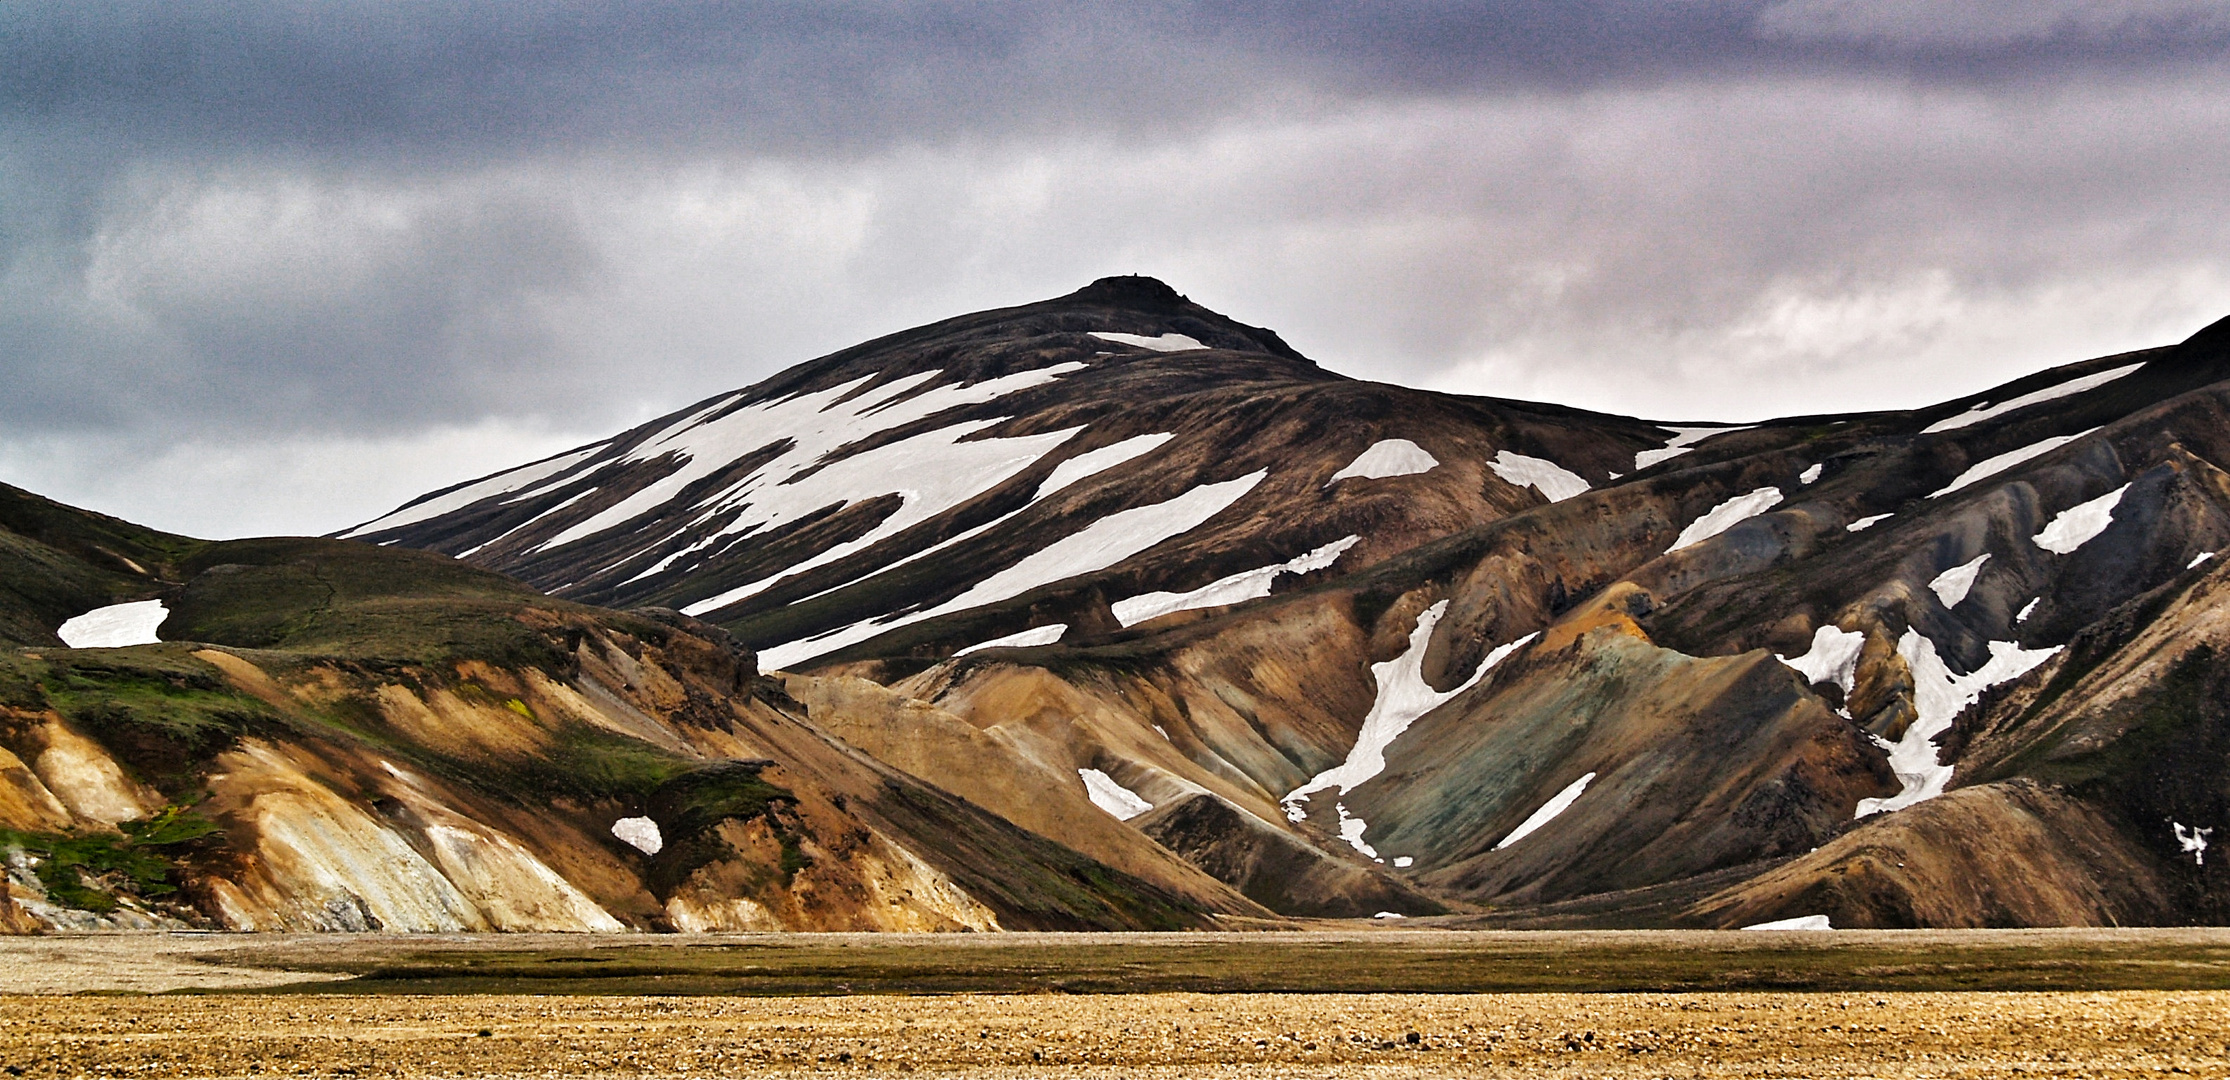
(1919, 24)
(338, 236)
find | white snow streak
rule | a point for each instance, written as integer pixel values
(1684, 439)
(1093, 462)
(1812, 474)
(2080, 524)
(1095, 547)
(1245, 585)
(1036, 635)
(932, 472)
(1989, 467)
(1555, 482)
(2028, 609)
(2069, 388)
(2193, 841)
(1727, 515)
(1387, 457)
(115, 626)
(1163, 343)
(1939, 696)
(469, 494)
(640, 833)
(1403, 697)
(1801, 922)
(1111, 796)
(1832, 658)
(1952, 585)
(1548, 811)
(1865, 523)
(2197, 559)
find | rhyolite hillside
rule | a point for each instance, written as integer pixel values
(1112, 611)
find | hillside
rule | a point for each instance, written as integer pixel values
(1110, 610)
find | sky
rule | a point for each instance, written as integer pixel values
(279, 267)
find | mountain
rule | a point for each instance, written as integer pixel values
(1112, 611)
(338, 736)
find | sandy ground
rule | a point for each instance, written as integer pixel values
(1144, 1036)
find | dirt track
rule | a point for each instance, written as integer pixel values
(1159, 1035)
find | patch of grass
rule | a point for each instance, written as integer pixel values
(1389, 962)
(87, 871)
(161, 712)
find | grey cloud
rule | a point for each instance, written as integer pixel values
(2145, 25)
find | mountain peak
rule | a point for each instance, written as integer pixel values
(1133, 291)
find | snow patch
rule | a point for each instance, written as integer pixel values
(1389, 915)
(2194, 842)
(1952, 585)
(1989, 467)
(1111, 796)
(1404, 862)
(2198, 559)
(1727, 515)
(1812, 474)
(1387, 457)
(1245, 585)
(115, 626)
(640, 833)
(1801, 922)
(1403, 697)
(1555, 482)
(1939, 696)
(1684, 439)
(1095, 547)
(931, 472)
(1036, 635)
(1094, 462)
(2028, 609)
(1160, 343)
(2069, 388)
(1865, 523)
(1549, 810)
(2080, 524)
(1832, 658)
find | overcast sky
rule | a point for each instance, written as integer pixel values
(279, 267)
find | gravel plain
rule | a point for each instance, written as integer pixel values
(2119, 1034)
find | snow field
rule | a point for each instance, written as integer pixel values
(1952, 585)
(1684, 439)
(1112, 797)
(817, 424)
(1161, 343)
(1387, 457)
(2196, 560)
(2028, 609)
(1832, 658)
(1036, 635)
(1801, 922)
(1245, 585)
(1811, 474)
(2080, 524)
(1989, 467)
(1727, 515)
(1558, 804)
(2069, 388)
(115, 626)
(1939, 696)
(1095, 547)
(1555, 482)
(1865, 523)
(499, 484)
(1403, 697)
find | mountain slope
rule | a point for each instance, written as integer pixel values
(1336, 648)
(336, 736)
